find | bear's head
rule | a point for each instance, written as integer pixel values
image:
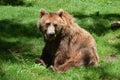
(51, 23)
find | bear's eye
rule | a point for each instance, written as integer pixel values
(55, 25)
(47, 24)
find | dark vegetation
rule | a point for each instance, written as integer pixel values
(12, 2)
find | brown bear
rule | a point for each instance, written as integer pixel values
(66, 44)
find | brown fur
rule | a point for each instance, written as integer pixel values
(71, 45)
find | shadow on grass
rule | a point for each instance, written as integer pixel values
(15, 30)
(117, 46)
(16, 52)
(101, 22)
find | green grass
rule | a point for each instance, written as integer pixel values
(21, 42)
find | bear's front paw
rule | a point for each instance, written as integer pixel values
(38, 60)
(53, 68)
(56, 69)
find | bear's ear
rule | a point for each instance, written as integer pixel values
(60, 12)
(42, 12)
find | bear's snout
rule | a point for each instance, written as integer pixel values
(51, 32)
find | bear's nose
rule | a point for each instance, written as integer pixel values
(51, 34)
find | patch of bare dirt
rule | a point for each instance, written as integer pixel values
(110, 58)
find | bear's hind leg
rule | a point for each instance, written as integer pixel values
(89, 56)
(64, 67)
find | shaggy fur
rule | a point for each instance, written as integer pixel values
(71, 45)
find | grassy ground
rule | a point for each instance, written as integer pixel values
(21, 42)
